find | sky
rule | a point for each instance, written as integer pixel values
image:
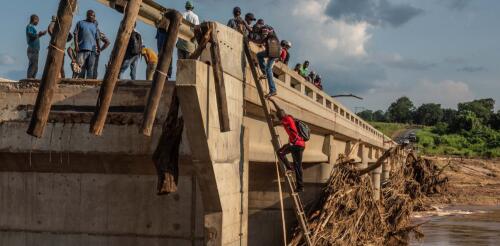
(433, 51)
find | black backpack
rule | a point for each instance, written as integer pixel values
(303, 130)
(135, 44)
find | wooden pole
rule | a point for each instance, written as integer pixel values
(52, 68)
(115, 63)
(203, 41)
(160, 75)
(220, 87)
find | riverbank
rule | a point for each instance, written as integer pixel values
(471, 182)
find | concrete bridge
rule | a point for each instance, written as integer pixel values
(73, 188)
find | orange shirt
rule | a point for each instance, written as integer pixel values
(150, 55)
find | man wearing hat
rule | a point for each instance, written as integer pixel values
(184, 48)
(249, 18)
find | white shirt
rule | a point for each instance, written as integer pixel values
(191, 17)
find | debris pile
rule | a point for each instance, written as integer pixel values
(347, 214)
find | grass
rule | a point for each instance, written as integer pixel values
(390, 129)
(464, 144)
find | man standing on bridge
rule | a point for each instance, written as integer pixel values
(87, 44)
(185, 48)
(295, 146)
(33, 39)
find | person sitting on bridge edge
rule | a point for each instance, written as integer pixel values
(285, 54)
(304, 72)
(295, 146)
(33, 40)
(317, 82)
(185, 48)
(151, 61)
(272, 52)
(311, 77)
(297, 68)
(133, 54)
(86, 44)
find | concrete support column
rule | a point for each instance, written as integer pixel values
(328, 150)
(375, 175)
(386, 169)
(364, 156)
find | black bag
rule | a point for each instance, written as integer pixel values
(135, 44)
(303, 130)
(273, 47)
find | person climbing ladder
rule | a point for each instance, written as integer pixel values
(295, 146)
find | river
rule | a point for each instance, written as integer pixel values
(466, 225)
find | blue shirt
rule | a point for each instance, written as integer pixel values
(32, 37)
(87, 35)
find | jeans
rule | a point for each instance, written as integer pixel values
(96, 66)
(86, 60)
(150, 71)
(296, 152)
(33, 63)
(132, 63)
(267, 69)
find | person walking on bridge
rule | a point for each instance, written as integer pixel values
(33, 40)
(295, 146)
(185, 48)
(87, 44)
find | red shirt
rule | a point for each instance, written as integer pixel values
(291, 129)
(283, 54)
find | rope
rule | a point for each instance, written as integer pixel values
(57, 49)
(162, 73)
(283, 221)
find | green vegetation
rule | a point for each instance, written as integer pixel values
(483, 142)
(473, 129)
(390, 129)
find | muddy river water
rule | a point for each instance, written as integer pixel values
(475, 225)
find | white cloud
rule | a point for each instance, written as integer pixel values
(344, 39)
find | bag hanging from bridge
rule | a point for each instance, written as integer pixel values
(303, 129)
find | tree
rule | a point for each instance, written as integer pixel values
(366, 115)
(428, 114)
(495, 121)
(449, 115)
(466, 120)
(401, 110)
(482, 108)
(379, 116)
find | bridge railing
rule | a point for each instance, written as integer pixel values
(151, 12)
(292, 79)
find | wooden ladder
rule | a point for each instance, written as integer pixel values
(299, 208)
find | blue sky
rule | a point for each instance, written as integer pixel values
(442, 51)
